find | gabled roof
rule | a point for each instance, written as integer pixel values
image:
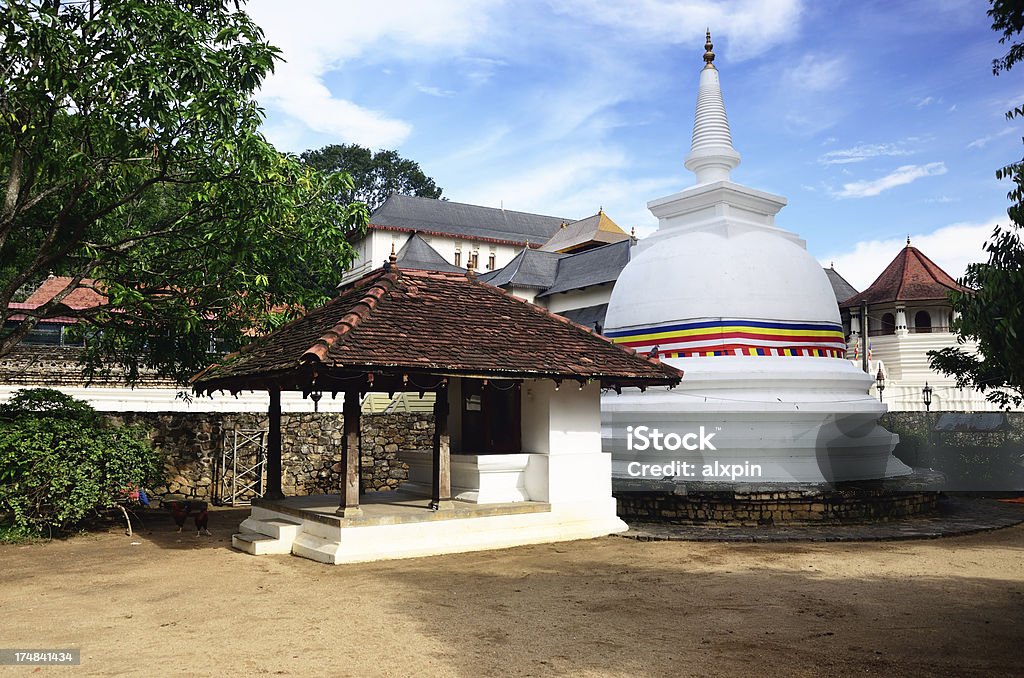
(473, 222)
(529, 268)
(82, 297)
(595, 230)
(417, 254)
(590, 267)
(840, 287)
(408, 323)
(910, 277)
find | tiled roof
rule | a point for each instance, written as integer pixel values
(397, 321)
(840, 287)
(529, 268)
(444, 217)
(80, 298)
(910, 277)
(595, 230)
(417, 254)
(590, 267)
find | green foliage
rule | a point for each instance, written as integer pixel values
(992, 314)
(59, 464)
(375, 176)
(130, 155)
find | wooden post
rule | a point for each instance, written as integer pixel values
(273, 489)
(441, 496)
(351, 411)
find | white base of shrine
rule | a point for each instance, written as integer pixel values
(404, 527)
(476, 478)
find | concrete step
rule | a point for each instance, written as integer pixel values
(277, 528)
(316, 548)
(259, 544)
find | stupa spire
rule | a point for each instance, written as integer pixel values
(712, 156)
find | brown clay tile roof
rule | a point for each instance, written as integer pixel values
(433, 322)
(84, 296)
(910, 277)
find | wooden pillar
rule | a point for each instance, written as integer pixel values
(441, 496)
(273, 490)
(351, 411)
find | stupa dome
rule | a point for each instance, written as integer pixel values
(701, 275)
(738, 304)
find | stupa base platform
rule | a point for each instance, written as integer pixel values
(768, 504)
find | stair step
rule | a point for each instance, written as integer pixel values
(260, 544)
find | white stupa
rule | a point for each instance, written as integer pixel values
(739, 305)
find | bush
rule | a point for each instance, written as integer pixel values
(60, 464)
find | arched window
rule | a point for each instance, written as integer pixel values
(888, 324)
(922, 322)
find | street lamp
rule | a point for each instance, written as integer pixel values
(926, 394)
(880, 382)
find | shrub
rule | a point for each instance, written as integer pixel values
(60, 463)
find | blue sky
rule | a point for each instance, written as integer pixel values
(875, 119)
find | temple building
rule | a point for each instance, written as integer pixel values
(444, 234)
(723, 293)
(909, 314)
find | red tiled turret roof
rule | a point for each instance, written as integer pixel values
(82, 297)
(910, 277)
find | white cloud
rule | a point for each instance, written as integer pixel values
(983, 141)
(341, 32)
(951, 247)
(749, 26)
(926, 101)
(815, 73)
(901, 176)
(434, 91)
(862, 152)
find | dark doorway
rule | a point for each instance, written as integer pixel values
(922, 322)
(491, 417)
(888, 324)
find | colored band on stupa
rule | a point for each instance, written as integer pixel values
(728, 336)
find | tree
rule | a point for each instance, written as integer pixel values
(992, 314)
(375, 175)
(130, 157)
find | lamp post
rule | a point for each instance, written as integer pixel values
(880, 382)
(926, 396)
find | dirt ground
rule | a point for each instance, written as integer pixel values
(168, 604)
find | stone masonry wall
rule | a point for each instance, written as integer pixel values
(193, 445)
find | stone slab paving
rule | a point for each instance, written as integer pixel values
(956, 515)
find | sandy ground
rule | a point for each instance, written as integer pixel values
(175, 604)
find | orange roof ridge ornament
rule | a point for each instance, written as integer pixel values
(709, 55)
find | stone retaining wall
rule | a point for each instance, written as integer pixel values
(773, 507)
(193, 445)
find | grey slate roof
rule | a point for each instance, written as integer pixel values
(529, 268)
(587, 316)
(591, 267)
(410, 213)
(842, 289)
(417, 254)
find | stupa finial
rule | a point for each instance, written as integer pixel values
(712, 156)
(908, 240)
(709, 56)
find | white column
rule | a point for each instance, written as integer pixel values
(901, 321)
